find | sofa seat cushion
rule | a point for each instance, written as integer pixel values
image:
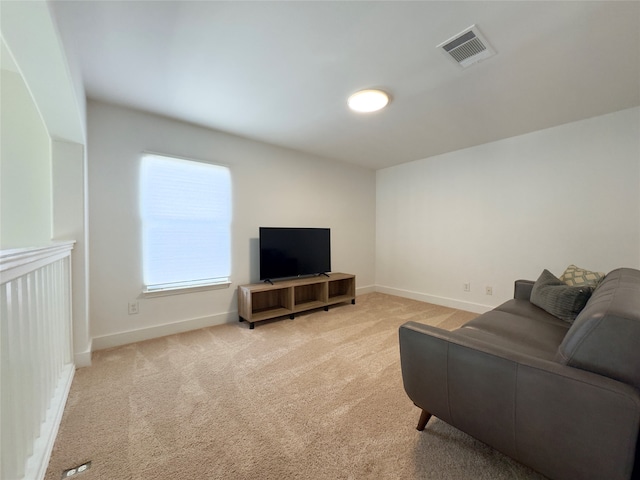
(519, 326)
(524, 308)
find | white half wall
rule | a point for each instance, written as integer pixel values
(491, 214)
(271, 187)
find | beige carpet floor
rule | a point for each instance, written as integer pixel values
(319, 397)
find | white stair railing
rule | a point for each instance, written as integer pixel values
(36, 358)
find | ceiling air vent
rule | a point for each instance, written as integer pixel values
(467, 48)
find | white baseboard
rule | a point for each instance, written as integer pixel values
(36, 466)
(157, 331)
(443, 301)
(132, 336)
(367, 289)
(83, 359)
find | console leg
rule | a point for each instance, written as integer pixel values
(240, 319)
(353, 301)
(424, 418)
(326, 309)
(251, 325)
(291, 317)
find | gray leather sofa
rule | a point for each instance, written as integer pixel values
(561, 398)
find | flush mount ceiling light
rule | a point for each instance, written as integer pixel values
(366, 101)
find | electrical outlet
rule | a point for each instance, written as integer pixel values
(467, 287)
(489, 291)
(133, 308)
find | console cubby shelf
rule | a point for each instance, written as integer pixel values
(263, 301)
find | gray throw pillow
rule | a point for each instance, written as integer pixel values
(559, 299)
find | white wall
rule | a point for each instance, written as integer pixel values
(25, 167)
(271, 187)
(506, 210)
(68, 161)
(30, 31)
(31, 42)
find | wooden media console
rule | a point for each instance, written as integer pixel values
(263, 301)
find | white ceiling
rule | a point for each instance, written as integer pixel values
(280, 72)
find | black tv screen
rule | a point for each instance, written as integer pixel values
(292, 252)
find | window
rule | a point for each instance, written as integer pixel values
(186, 223)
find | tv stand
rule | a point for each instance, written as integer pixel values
(260, 301)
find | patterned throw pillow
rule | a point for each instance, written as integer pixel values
(557, 298)
(577, 277)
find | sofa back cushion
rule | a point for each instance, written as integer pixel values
(605, 336)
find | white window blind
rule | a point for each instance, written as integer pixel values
(186, 219)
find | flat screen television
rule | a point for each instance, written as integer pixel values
(293, 252)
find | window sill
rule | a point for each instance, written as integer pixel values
(181, 290)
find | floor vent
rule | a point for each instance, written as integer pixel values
(72, 472)
(467, 48)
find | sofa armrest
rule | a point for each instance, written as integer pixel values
(522, 289)
(564, 422)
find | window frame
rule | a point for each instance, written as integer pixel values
(184, 286)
